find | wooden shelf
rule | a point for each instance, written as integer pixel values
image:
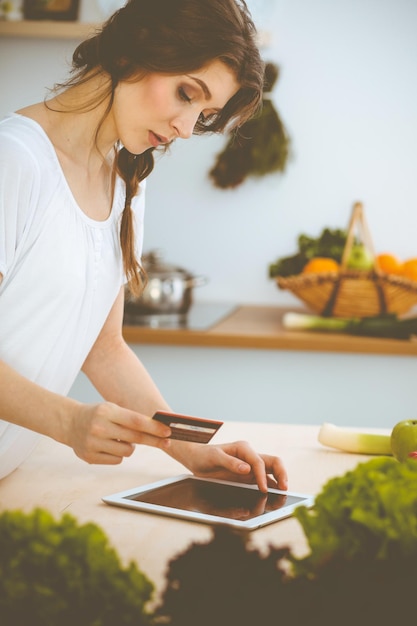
(46, 29)
(260, 327)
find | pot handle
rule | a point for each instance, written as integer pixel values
(196, 281)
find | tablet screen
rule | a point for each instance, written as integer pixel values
(212, 498)
(211, 501)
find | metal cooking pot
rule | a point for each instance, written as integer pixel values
(168, 290)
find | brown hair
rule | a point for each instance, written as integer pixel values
(171, 37)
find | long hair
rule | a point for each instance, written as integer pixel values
(170, 37)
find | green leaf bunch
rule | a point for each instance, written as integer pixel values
(370, 512)
(222, 582)
(362, 532)
(329, 244)
(226, 582)
(60, 572)
(260, 146)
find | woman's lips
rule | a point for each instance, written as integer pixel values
(156, 140)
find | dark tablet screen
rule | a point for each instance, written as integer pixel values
(210, 498)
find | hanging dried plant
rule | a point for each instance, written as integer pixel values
(261, 145)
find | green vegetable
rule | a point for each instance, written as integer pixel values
(226, 582)
(288, 266)
(60, 573)
(351, 440)
(330, 244)
(361, 570)
(369, 513)
(260, 147)
(388, 326)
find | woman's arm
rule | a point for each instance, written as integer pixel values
(26, 404)
(120, 377)
(98, 433)
(117, 373)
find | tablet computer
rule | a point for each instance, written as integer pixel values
(211, 501)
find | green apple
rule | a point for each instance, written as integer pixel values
(404, 439)
(360, 258)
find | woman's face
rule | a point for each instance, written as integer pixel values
(158, 108)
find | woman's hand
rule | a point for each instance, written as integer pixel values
(236, 462)
(105, 433)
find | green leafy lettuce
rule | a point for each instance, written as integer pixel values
(64, 573)
(370, 512)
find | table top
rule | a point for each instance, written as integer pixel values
(260, 327)
(55, 479)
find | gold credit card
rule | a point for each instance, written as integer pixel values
(187, 427)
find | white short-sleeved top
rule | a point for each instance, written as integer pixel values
(61, 270)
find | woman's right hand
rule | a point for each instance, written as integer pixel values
(105, 433)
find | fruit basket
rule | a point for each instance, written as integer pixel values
(353, 292)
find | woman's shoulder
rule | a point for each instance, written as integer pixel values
(25, 149)
(22, 135)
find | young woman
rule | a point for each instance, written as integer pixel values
(72, 179)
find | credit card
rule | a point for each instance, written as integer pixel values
(187, 427)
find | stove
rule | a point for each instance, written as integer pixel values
(201, 316)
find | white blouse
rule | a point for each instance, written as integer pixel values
(61, 270)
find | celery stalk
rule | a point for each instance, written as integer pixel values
(350, 440)
(388, 326)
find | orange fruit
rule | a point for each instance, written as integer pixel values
(409, 269)
(321, 264)
(388, 263)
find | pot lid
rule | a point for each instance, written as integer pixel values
(154, 263)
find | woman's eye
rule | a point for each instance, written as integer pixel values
(183, 95)
(205, 118)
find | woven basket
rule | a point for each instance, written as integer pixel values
(353, 293)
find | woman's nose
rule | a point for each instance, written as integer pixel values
(185, 124)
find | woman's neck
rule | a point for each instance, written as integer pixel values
(78, 124)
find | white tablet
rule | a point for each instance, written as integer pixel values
(211, 501)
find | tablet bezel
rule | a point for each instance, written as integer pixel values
(123, 499)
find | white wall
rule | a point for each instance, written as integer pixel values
(275, 386)
(348, 96)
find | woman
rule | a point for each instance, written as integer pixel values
(72, 180)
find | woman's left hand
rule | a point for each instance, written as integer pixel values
(236, 462)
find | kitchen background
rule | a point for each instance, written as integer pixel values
(347, 94)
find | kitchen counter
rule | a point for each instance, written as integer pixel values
(260, 327)
(53, 477)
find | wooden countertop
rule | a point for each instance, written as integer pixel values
(260, 327)
(54, 478)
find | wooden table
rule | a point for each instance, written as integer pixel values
(260, 327)
(55, 479)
